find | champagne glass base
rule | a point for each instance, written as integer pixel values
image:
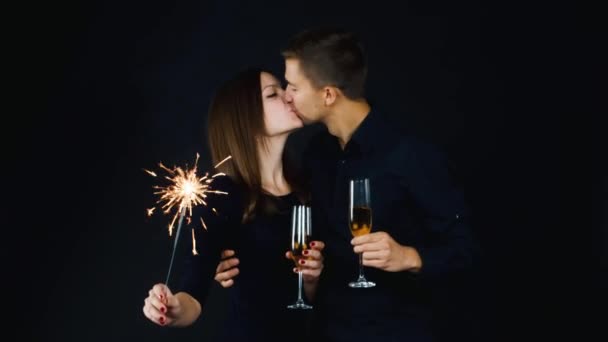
(301, 305)
(362, 284)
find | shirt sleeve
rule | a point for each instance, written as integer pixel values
(448, 244)
(221, 216)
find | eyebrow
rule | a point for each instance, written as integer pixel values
(271, 85)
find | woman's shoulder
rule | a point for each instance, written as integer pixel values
(222, 182)
(224, 194)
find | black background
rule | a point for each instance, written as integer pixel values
(114, 87)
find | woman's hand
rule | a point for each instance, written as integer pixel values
(161, 306)
(311, 265)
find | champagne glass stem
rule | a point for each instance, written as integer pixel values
(361, 277)
(300, 286)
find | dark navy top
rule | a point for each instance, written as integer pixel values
(266, 283)
(414, 199)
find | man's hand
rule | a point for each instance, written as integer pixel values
(381, 251)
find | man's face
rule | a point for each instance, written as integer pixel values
(307, 101)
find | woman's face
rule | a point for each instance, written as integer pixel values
(279, 117)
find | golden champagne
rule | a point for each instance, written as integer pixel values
(361, 221)
(298, 249)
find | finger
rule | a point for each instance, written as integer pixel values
(148, 314)
(374, 263)
(289, 255)
(227, 283)
(313, 254)
(359, 240)
(157, 294)
(309, 263)
(371, 247)
(227, 253)
(167, 320)
(318, 245)
(223, 276)
(311, 274)
(376, 255)
(161, 291)
(158, 290)
(165, 295)
(157, 304)
(145, 311)
(151, 308)
(227, 264)
(154, 314)
(372, 237)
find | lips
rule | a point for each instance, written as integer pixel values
(292, 110)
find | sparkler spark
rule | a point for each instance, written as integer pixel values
(220, 163)
(153, 174)
(194, 252)
(184, 191)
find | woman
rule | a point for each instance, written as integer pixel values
(249, 120)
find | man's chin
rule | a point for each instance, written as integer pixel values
(305, 121)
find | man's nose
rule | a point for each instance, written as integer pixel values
(287, 96)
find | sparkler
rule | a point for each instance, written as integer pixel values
(185, 191)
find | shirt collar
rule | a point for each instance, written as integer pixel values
(366, 134)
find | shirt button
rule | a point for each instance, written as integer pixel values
(342, 161)
(457, 216)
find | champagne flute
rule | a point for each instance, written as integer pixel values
(360, 221)
(300, 238)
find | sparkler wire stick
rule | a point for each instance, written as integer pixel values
(179, 229)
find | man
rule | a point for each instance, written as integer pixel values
(420, 236)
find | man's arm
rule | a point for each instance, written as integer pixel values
(442, 204)
(426, 179)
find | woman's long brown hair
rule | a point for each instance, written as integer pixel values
(235, 124)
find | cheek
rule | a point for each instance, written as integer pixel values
(272, 114)
(300, 100)
(276, 113)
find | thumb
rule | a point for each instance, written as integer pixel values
(171, 298)
(168, 291)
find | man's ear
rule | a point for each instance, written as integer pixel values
(330, 95)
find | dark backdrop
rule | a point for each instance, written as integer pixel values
(114, 87)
